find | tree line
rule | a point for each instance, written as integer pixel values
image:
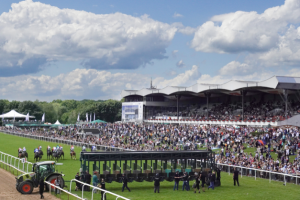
(66, 111)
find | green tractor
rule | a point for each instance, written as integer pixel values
(46, 170)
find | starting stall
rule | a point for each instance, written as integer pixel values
(143, 165)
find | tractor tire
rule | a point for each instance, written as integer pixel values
(26, 187)
(51, 179)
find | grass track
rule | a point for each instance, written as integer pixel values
(249, 189)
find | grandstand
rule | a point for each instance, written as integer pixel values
(274, 101)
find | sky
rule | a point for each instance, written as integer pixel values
(94, 49)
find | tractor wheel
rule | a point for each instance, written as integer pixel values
(26, 187)
(52, 179)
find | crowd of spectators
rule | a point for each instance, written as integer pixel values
(253, 111)
(253, 147)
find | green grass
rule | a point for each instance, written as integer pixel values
(249, 189)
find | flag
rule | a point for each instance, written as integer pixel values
(90, 117)
(43, 118)
(87, 117)
(94, 117)
(78, 119)
(27, 117)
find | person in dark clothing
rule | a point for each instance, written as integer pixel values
(202, 178)
(197, 183)
(212, 179)
(102, 186)
(236, 177)
(185, 180)
(176, 179)
(125, 181)
(156, 183)
(77, 177)
(41, 187)
(88, 179)
(218, 174)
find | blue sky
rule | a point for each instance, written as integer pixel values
(94, 49)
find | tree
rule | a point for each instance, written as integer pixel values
(3, 103)
(11, 106)
(32, 108)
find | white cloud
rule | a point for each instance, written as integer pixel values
(236, 68)
(183, 79)
(246, 31)
(186, 30)
(174, 53)
(84, 83)
(173, 73)
(180, 64)
(33, 30)
(176, 15)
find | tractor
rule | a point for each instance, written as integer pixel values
(45, 170)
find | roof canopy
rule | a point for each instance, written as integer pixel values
(99, 121)
(14, 114)
(271, 85)
(57, 122)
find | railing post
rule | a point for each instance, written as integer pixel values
(241, 172)
(255, 174)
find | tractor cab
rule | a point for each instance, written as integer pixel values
(40, 170)
(43, 169)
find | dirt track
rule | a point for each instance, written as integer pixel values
(8, 189)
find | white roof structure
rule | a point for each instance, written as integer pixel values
(57, 122)
(14, 114)
(273, 85)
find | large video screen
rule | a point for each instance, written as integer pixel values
(132, 111)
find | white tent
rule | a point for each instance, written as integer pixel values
(57, 122)
(14, 114)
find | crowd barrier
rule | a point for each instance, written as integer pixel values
(50, 185)
(13, 163)
(95, 188)
(214, 122)
(67, 142)
(259, 173)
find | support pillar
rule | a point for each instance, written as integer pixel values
(285, 95)
(207, 94)
(178, 98)
(243, 93)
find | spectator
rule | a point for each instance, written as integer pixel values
(212, 180)
(176, 180)
(95, 180)
(156, 183)
(236, 176)
(125, 181)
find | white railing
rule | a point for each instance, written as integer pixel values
(13, 163)
(259, 173)
(68, 142)
(65, 191)
(213, 122)
(95, 188)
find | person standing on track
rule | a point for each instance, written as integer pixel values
(203, 177)
(176, 180)
(125, 181)
(156, 183)
(197, 183)
(236, 177)
(102, 186)
(41, 187)
(95, 180)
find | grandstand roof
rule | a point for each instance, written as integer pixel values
(272, 85)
